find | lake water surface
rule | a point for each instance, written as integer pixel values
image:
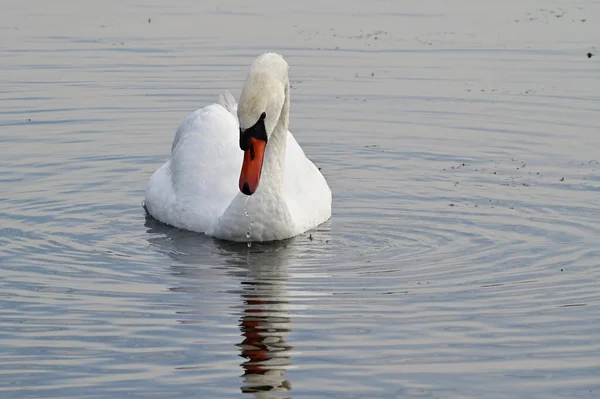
(461, 143)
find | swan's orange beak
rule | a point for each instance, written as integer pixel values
(253, 160)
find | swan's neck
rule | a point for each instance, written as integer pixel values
(274, 162)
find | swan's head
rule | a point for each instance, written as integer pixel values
(260, 110)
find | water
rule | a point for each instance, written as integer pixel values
(460, 140)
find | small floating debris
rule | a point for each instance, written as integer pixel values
(562, 179)
(590, 55)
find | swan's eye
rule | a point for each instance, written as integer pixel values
(257, 131)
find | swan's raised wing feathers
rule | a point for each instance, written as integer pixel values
(227, 100)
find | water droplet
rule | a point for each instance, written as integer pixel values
(249, 244)
(248, 234)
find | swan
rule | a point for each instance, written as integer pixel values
(241, 177)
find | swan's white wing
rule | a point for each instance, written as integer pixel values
(193, 188)
(307, 194)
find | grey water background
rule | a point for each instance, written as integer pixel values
(460, 140)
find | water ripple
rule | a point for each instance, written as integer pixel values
(461, 259)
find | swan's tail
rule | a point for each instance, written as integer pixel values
(227, 100)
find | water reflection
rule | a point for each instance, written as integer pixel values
(265, 325)
(265, 321)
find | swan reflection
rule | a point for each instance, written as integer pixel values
(264, 320)
(265, 325)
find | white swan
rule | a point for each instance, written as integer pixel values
(282, 193)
